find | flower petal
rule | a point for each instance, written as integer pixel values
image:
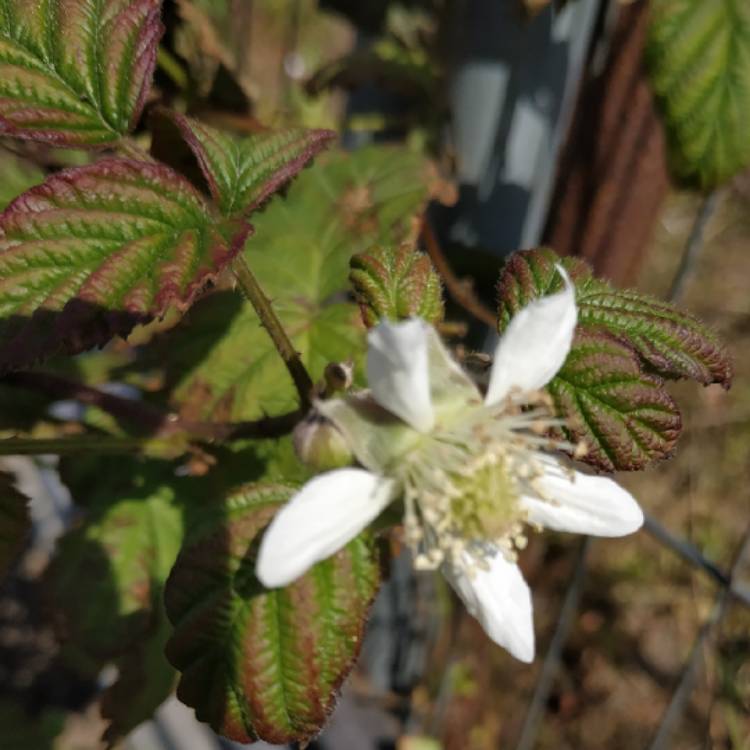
(582, 503)
(327, 513)
(500, 599)
(535, 344)
(398, 373)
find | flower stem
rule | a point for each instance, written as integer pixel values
(252, 290)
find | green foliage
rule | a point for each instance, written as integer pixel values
(15, 523)
(396, 283)
(18, 175)
(257, 663)
(96, 249)
(699, 59)
(220, 363)
(611, 387)
(75, 72)
(133, 533)
(243, 172)
(24, 730)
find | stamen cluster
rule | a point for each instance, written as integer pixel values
(463, 485)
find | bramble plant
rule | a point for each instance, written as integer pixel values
(245, 324)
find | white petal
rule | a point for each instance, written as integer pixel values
(583, 504)
(500, 599)
(398, 373)
(535, 344)
(327, 513)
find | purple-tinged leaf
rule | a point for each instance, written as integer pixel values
(625, 417)
(76, 72)
(242, 173)
(396, 283)
(673, 343)
(259, 664)
(15, 523)
(96, 249)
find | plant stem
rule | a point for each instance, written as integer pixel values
(252, 290)
(694, 245)
(72, 445)
(172, 67)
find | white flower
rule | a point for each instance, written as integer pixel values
(472, 472)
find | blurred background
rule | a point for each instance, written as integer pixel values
(541, 125)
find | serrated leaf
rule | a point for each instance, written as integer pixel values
(107, 576)
(221, 364)
(242, 173)
(96, 249)
(610, 389)
(674, 343)
(396, 283)
(698, 54)
(257, 663)
(15, 522)
(624, 416)
(75, 72)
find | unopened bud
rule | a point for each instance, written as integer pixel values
(320, 445)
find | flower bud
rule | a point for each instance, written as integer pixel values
(320, 445)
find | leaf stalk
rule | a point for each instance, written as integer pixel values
(270, 321)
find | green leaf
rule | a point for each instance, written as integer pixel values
(242, 173)
(671, 342)
(18, 175)
(130, 542)
(610, 389)
(15, 523)
(96, 249)
(260, 664)
(220, 363)
(75, 72)
(623, 415)
(698, 55)
(396, 283)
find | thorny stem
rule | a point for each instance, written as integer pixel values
(457, 289)
(252, 290)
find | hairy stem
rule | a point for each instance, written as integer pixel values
(252, 290)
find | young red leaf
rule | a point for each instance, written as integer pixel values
(672, 342)
(259, 664)
(625, 417)
(75, 72)
(611, 390)
(96, 249)
(242, 173)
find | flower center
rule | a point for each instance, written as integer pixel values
(464, 483)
